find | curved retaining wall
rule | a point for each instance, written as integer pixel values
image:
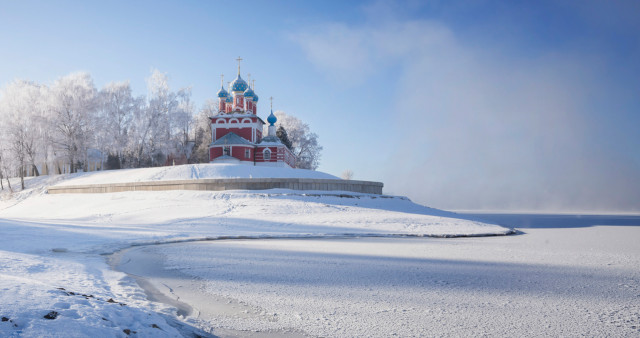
(226, 184)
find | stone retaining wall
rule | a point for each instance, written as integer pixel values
(226, 184)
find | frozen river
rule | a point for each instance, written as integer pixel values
(544, 282)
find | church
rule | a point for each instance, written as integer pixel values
(236, 130)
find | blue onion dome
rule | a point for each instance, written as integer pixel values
(249, 93)
(229, 99)
(255, 97)
(239, 85)
(272, 119)
(222, 93)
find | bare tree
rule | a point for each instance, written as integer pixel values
(347, 174)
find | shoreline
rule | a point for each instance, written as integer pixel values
(184, 292)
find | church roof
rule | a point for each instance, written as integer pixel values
(231, 139)
(239, 85)
(223, 93)
(270, 141)
(272, 119)
(249, 93)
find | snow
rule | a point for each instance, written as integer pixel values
(548, 282)
(192, 171)
(55, 252)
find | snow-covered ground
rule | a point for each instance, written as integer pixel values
(192, 171)
(53, 247)
(302, 272)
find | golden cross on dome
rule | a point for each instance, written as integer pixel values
(271, 98)
(248, 77)
(239, 59)
(253, 84)
(222, 80)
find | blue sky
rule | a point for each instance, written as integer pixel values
(517, 105)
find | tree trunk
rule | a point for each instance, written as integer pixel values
(35, 170)
(9, 184)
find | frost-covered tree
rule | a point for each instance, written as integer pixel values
(1, 171)
(45, 128)
(116, 110)
(151, 124)
(164, 126)
(181, 120)
(73, 106)
(202, 132)
(304, 143)
(5, 163)
(21, 109)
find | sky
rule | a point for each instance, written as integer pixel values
(460, 105)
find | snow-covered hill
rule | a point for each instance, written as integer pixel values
(52, 245)
(191, 172)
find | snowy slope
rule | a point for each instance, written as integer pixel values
(55, 242)
(191, 171)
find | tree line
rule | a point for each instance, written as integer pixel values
(61, 128)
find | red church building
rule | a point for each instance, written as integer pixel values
(236, 130)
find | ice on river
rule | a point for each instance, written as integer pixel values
(549, 282)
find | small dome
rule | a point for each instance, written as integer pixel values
(239, 85)
(222, 92)
(229, 99)
(272, 119)
(249, 93)
(255, 97)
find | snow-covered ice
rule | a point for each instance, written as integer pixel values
(548, 282)
(54, 251)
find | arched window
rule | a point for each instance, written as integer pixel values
(267, 154)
